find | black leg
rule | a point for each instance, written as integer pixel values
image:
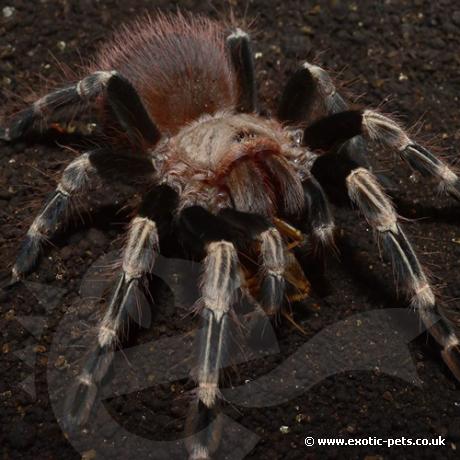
(196, 228)
(210, 236)
(333, 130)
(64, 100)
(199, 227)
(308, 95)
(77, 180)
(130, 112)
(248, 224)
(246, 228)
(56, 214)
(298, 98)
(128, 295)
(216, 238)
(380, 214)
(121, 96)
(239, 46)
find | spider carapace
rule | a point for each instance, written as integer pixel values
(175, 96)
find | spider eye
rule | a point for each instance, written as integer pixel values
(241, 136)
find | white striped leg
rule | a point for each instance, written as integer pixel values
(327, 132)
(57, 212)
(309, 95)
(272, 267)
(319, 213)
(379, 212)
(61, 99)
(312, 87)
(138, 259)
(121, 96)
(220, 285)
(380, 128)
(332, 102)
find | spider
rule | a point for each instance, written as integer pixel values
(176, 100)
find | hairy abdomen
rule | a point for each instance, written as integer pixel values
(178, 64)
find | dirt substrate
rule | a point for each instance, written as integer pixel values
(400, 52)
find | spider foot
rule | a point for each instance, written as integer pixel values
(27, 258)
(78, 405)
(15, 278)
(204, 427)
(4, 134)
(82, 396)
(18, 126)
(272, 293)
(427, 164)
(451, 356)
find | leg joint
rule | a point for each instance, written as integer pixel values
(91, 85)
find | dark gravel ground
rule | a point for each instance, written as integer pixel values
(401, 52)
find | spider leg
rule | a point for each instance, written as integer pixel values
(319, 214)
(239, 46)
(242, 229)
(121, 96)
(219, 288)
(78, 178)
(222, 236)
(272, 259)
(365, 191)
(327, 132)
(139, 255)
(56, 212)
(221, 280)
(309, 93)
(273, 265)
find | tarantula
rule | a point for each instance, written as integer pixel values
(176, 100)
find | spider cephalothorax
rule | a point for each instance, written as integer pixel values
(213, 161)
(176, 101)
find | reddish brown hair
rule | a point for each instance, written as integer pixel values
(178, 64)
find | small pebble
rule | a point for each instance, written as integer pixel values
(307, 30)
(299, 418)
(88, 455)
(387, 396)
(8, 11)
